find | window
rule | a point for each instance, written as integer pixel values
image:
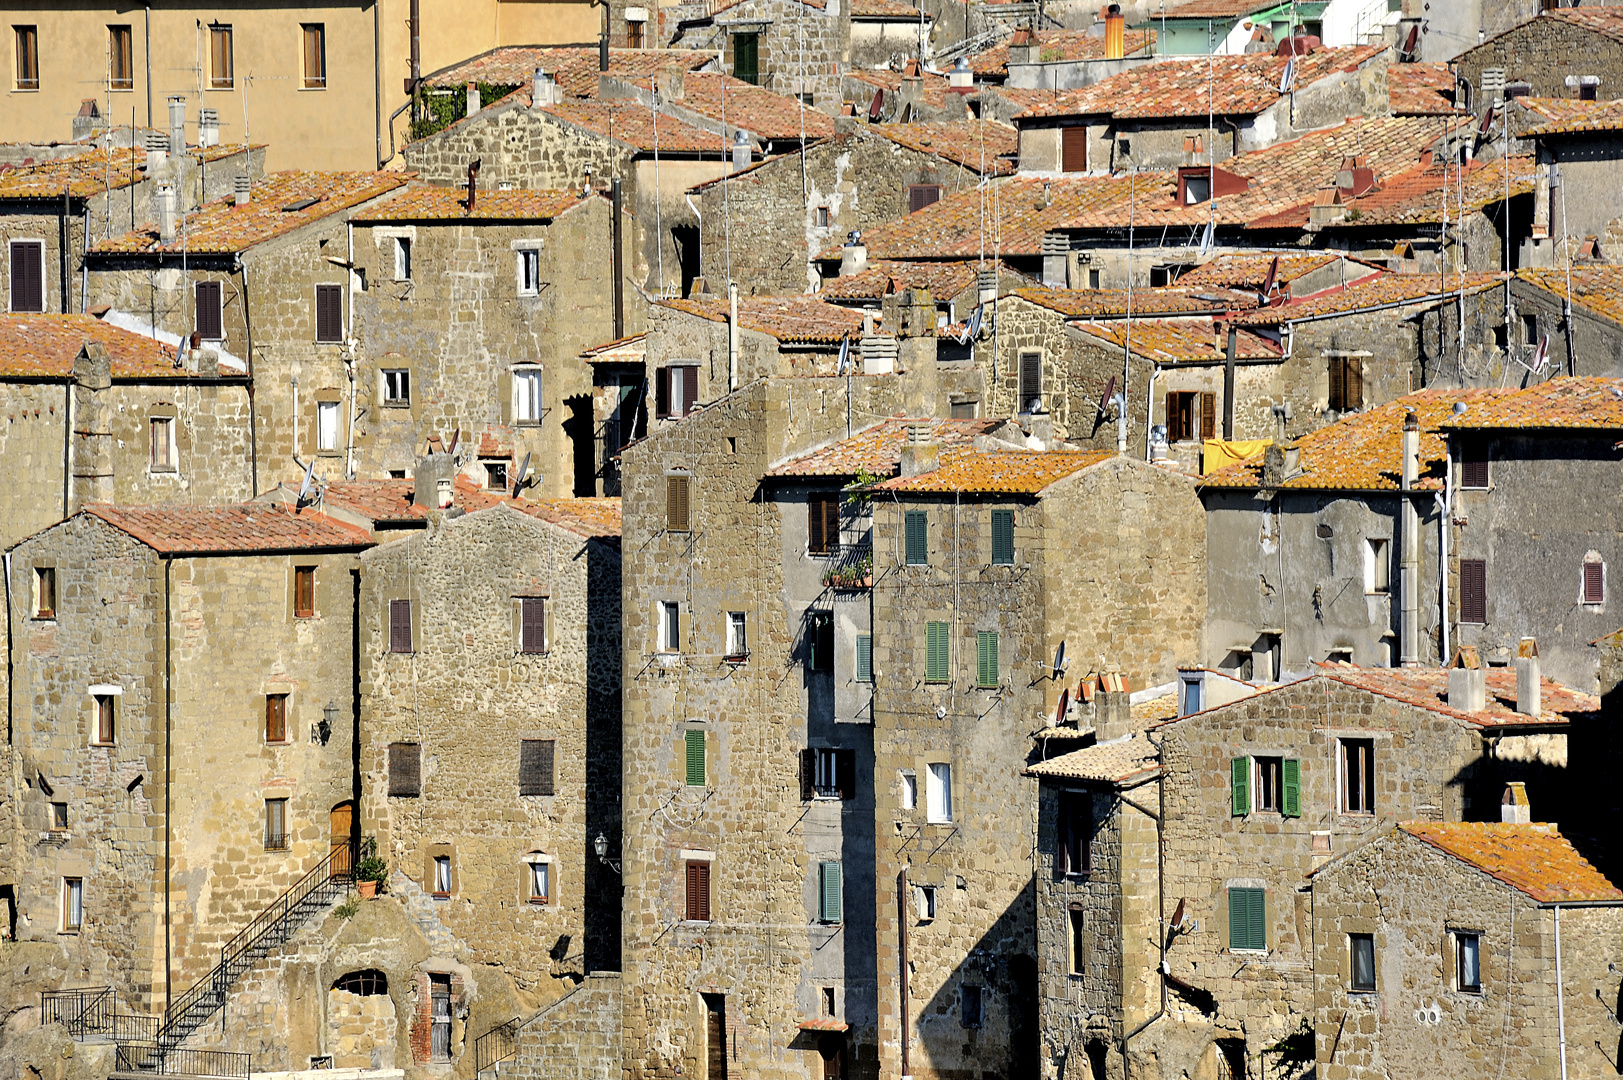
(1191, 415)
(677, 489)
(693, 745)
(1031, 381)
(330, 313)
(697, 908)
(222, 58)
(59, 816)
(368, 982)
(1377, 565)
(106, 724)
(527, 395)
(304, 592)
(822, 217)
(1247, 926)
(44, 592)
(1075, 821)
(737, 636)
(1473, 466)
(1357, 776)
(715, 1036)
(1073, 149)
(820, 641)
(120, 58)
(937, 653)
(917, 538)
(209, 322)
(1196, 188)
(910, 790)
(1468, 963)
(402, 258)
(1002, 537)
(275, 718)
(921, 195)
(1473, 591)
(532, 624)
(830, 895)
(73, 903)
(536, 760)
(827, 773)
(634, 38)
(823, 524)
(1529, 329)
(327, 427)
(540, 882)
(1269, 772)
(969, 1006)
(442, 875)
(938, 793)
(1093, 279)
(275, 824)
(405, 770)
(670, 627)
(1594, 586)
(1346, 383)
(27, 276)
(162, 443)
(529, 271)
(400, 626)
(676, 389)
(926, 903)
(1078, 941)
(986, 662)
(1361, 948)
(864, 663)
(315, 56)
(495, 475)
(746, 53)
(27, 57)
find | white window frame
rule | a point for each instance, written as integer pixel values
(925, 898)
(541, 865)
(737, 634)
(402, 258)
(527, 400)
(327, 427)
(825, 773)
(1377, 557)
(527, 271)
(73, 905)
(403, 382)
(938, 793)
(171, 449)
(442, 875)
(665, 611)
(909, 781)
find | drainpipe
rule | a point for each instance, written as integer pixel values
(619, 274)
(67, 448)
(1443, 527)
(146, 47)
(1149, 411)
(1560, 998)
(1228, 382)
(253, 421)
(296, 460)
(6, 560)
(1409, 568)
(62, 249)
(349, 361)
(416, 63)
(377, 86)
(732, 336)
(168, 781)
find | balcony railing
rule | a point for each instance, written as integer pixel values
(497, 1044)
(92, 1012)
(276, 841)
(176, 1061)
(852, 566)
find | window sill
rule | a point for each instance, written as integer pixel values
(107, 745)
(167, 469)
(329, 453)
(45, 616)
(441, 895)
(306, 615)
(539, 902)
(527, 423)
(395, 405)
(69, 933)
(278, 742)
(696, 922)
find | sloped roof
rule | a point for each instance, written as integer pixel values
(574, 68)
(980, 145)
(241, 528)
(1421, 89)
(1174, 340)
(91, 172)
(46, 345)
(1578, 117)
(1168, 300)
(1246, 270)
(1114, 762)
(428, 203)
(1414, 196)
(945, 280)
(1428, 688)
(636, 125)
(1060, 46)
(999, 471)
(1218, 9)
(755, 109)
(1533, 859)
(1584, 403)
(884, 9)
(279, 204)
(798, 319)
(630, 349)
(1596, 288)
(878, 450)
(1372, 292)
(929, 87)
(389, 502)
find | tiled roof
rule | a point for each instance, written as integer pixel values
(1061, 45)
(755, 109)
(1241, 85)
(378, 501)
(1113, 762)
(1580, 117)
(1250, 270)
(1106, 303)
(222, 226)
(46, 345)
(1594, 403)
(883, 9)
(1596, 288)
(88, 173)
(450, 204)
(574, 68)
(930, 88)
(1428, 688)
(980, 145)
(636, 125)
(817, 5)
(1607, 21)
(794, 319)
(1174, 340)
(1364, 452)
(385, 502)
(619, 351)
(1218, 9)
(1372, 292)
(238, 528)
(878, 450)
(1533, 859)
(1414, 196)
(945, 280)
(1421, 90)
(1012, 472)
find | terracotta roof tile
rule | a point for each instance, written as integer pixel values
(800, 319)
(574, 68)
(883, 9)
(755, 109)
(945, 280)
(636, 125)
(238, 528)
(1594, 403)
(1217, 9)
(981, 146)
(382, 502)
(1533, 859)
(1414, 196)
(929, 87)
(1107, 303)
(1175, 340)
(1572, 117)
(1113, 762)
(878, 450)
(624, 350)
(1598, 289)
(1250, 270)
(816, 5)
(1066, 45)
(1364, 452)
(386, 502)
(46, 345)
(1421, 90)
(450, 204)
(1013, 472)
(89, 173)
(223, 227)
(1607, 21)
(1428, 688)
(1372, 292)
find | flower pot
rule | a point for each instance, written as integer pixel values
(367, 889)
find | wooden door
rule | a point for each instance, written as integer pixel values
(715, 1036)
(342, 818)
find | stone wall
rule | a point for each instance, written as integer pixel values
(577, 1037)
(1543, 52)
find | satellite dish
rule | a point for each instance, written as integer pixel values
(523, 471)
(1177, 914)
(304, 488)
(1059, 660)
(1064, 706)
(940, 712)
(456, 437)
(845, 354)
(1105, 398)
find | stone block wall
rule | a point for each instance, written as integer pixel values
(1543, 52)
(577, 1037)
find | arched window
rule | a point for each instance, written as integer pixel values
(368, 982)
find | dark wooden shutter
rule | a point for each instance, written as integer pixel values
(1474, 467)
(816, 520)
(1594, 583)
(1073, 149)
(1355, 383)
(690, 387)
(917, 540)
(662, 391)
(1031, 378)
(304, 591)
(1003, 537)
(1338, 384)
(533, 624)
(208, 311)
(808, 775)
(831, 523)
(698, 892)
(1208, 416)
(275, 717)
(329, 313)
(676, 504)
(405, 769)
(27, 277)
(400, 626)
(1473, 590)
(535, 766)
(921, 195)
(845, 772)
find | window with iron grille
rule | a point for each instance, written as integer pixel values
(536, 766)
(275, 824)
(405, 770)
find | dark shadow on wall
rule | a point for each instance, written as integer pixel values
(603, 888)
(577, 427)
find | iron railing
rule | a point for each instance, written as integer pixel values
(276, 841)
(851, 566)
(93, 1012)
(162, 1060)
(497, 1044)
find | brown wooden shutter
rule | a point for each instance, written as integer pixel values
(536, 763)
(1208, 416)
(400, 626)
(208, 311)
(808, 775)
(698, 891)
(1594, 583)
(1338, 383)
(329, 313)
(1473, 590)
(27, 277)
(816, 538)
(275, 717)
(690, 387)
(677, 518)
(533, 624)
(405, 769)
(1073, 149)
(304, 591)
(1031, 378)
(845, 771)
(1355, 383)
(831, 523)
(1474, 467)
(921, 195)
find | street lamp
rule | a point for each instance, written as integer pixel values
(601, 846)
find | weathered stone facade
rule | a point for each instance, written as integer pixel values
(1542, 52)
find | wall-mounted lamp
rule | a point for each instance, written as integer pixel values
(320, 733)
(601, 846)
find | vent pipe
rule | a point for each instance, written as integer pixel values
(1115, 33)
(473, 98)
(157, 152)
(242, 188)
(1409, 566)
(1529, 681)
(741, 150)
(163, 209)
(208, 127)
(177, 124)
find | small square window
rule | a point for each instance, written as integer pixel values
(396, 386)
(442, 876)
(59, 816)
(529, 272)
(1362, 950)
(822, 217)
(106, 719)
(44, 592)
(926, 903)
(1468, 962)
(737, 636)
(275, 824)
(162, 430)
(402, 258)
(73, 903)
(495, 475)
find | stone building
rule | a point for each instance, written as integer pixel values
(1576, 213)
(1055, 60)
(100, 414)
(1199, 872)
(481, 303)
(1539, 300)
(791, 47)
(804, 202)
(1433, 940)
(1541, 52)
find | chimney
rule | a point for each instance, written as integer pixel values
(163, 211)
(473, 183)
(741, 150)
(1514, 808)
(157, 152)
(242, 188)
(961, 77)
(1467, 683)
(669, 85)
(177, 124)
(208, 127)
(473, 98)
(921, 453)
(1112, 708)
(89, 120)
(543, 91)
(1528, 680)
(433, 481)
(1282, 460)
(92, 436)
(1115, 33)
(854, 255)
(1411, 449)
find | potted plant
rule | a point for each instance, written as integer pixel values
(370, 873)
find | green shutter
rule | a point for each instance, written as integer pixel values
(986, 667)
(1240, 768)
(1003, 537)
(936, 663)
(831, 899)
(918, 538)
(864, 658)
(1258, 926)
(1246, 919)
(1291, 795)
(695, 749)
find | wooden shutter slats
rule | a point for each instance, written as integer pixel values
(1031, 378)
(1208, 416)
(1003, 537)
(1338, 383)
(1073, 149)
(1473, 591)
(808, 774)
(329, 313)
(690, 387)
(400, 626)
(694, 748)
(405, 769)
(533, 624)
(676, 503)
(208, 311)
(1240, 777)
(537, 767)
(1291, 788)
(1594, 583)
(698, 891)
(864, 657)
(916, 538)
(1355, 383)
(27, 277)
(935, 652)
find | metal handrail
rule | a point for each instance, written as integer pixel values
(497, 1044)
(174, 1061)
(79, 1010)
